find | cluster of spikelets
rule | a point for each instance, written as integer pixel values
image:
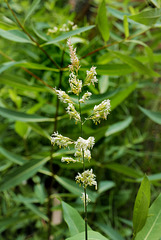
(64, 28)
(82, 146)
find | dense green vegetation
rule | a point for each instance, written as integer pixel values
(39, 197)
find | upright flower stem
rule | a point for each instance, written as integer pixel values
(85, 192)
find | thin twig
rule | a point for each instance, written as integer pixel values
(32, 39)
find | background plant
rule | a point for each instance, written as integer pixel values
(127, 58)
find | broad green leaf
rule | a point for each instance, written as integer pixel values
(109, 231)
(111, 69)
(126, 27)
(148, 17)
(105, 185)
(122, 95)
(33, 7)
(74, 188)
(102, 21)
(91, 236)
(136, 65)
(154, 116)
(141, 207)
(15, 35)
(152, 229)
(23, 117)
(125, 170)
(119, 126)
(68, 35)
(22, 173)
(73, 219)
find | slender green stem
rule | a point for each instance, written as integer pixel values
(85, 191)
(51, 158)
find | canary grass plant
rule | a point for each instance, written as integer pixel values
(82, 146)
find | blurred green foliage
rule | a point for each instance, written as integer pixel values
(127, 144)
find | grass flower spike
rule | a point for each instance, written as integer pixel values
(82, 146)
(63, 96)
(91, 77)
(60, 140)
(87, 178)
(101, 111)
(73, 113)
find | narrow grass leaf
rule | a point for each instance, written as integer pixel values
(119, 126)
(68, 35)
(126, 26)
(109, 231)
(125, 170)
(23, 117)
(105, 186)
(152, 229)
(20, 83)
(111, 69)
(102, 21)
(136, 65)
(33, 7)
(15, 36)
(122, 95)
(154, 116)
(20, 174)
(73, 219)
(141, 207)
(15, 158)
(5, 66)
(148, 17)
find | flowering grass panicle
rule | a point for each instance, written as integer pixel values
(75, 84)
(87, 178)
(60, 140)
(74, 67)
(91, 77)
(63, 96)
(85, 97)
(68, 160)
(73, 113)
(101, 111)
(83, 144)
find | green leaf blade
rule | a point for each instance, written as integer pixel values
(152, 229)
(102, 21)
(141, 206)
(68, 35)
(73, 219)
(22, 173)
(154, 116)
